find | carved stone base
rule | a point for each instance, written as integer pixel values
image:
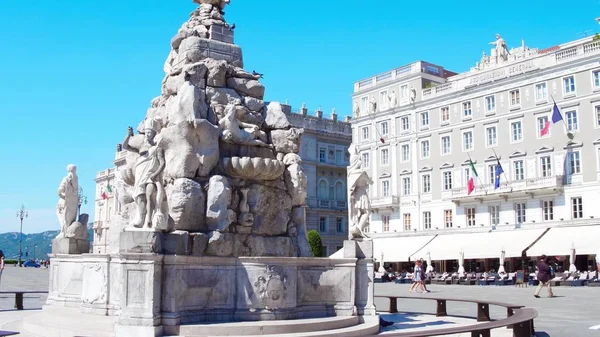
(139, 241)
(70, 246)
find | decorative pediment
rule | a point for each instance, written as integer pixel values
(446, 166)
(468, 161)
(385, 175)
(517, 153)
(405, 172)
(573, 144)
(544, 149)
(492, 158)
(426, 169)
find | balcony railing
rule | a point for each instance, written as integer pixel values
(332, 204)
(527, 185)
(384, 202)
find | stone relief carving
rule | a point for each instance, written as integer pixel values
(148, 190)
(373, 103)
(359, 201)
(68, 203)
(413, 94)
(271, 287)
(237, 132)
(96, 287)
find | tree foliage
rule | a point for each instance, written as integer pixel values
(316, 246)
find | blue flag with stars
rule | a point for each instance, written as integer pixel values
(499, 172)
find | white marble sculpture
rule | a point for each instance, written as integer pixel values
(501, 49)
(68, 204)
(148, 190)
(413, 94)
(355, 109)
(393, 100)
(238, 132)
(359, 203)
(373, 102)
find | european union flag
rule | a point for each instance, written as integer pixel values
(499, 172)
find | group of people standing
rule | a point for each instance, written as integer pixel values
(419, 277)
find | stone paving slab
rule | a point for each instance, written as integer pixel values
(409, 322)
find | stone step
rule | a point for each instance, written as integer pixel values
(63, 322)
(331, 326)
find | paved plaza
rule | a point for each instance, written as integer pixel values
(572, 313)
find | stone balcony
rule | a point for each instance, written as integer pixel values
(389, 202)
(527, 187)
(332, 204)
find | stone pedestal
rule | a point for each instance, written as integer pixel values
(362, 250)
(70, 246)
(140, 241)
(221, 33)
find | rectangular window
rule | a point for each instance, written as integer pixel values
(516, 131)
(424, 119)
(492, 172)
(339, 157)
(424, 149)
(596, 77)
(339, 225)
(541, 92)
(322, 155)
(520, 210)
(406, 186)
(495, 214)
(515, 98)
(468, 141)
(364, 105)
(574, 162)
(518, 170)
(426, 179)
(407, 222)
(405, 152)
(572, 121)
(448, 218)
(546, 166)
(490, 103)
(598, 115)
(447, 180)
(427, 220)
(385, 188)
(548, 210)
(385, 157)
(404, 124)
(323, 225)
(445, 115)
(366, 160)
(365, 133)
(384, 129)
(404, 91)
(569, 83)
(446, 146)
(577, 207)
(492, 139)
(467, 111)
(386, 223)
(470, 217)
(383, 100)
(541, 125)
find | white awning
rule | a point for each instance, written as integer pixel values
(399, 249)
(558, 241)
(484, 245)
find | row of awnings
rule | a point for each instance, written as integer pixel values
(556, 241)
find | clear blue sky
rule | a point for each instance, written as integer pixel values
(76, 73)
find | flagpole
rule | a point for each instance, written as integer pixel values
(478, 177)
(498, 161)
(569, 134)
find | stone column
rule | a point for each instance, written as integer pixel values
(362, 250)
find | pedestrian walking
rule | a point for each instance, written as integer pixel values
(1, 264)
(423, 277)
(543, 277)
(416, 276)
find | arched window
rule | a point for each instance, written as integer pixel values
(340, 191)
(323, 190)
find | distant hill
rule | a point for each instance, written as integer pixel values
(41, 243)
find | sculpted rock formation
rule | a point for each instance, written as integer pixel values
(212, 166)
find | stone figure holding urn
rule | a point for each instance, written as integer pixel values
(148, 190)
(359, 203)
(68, 204)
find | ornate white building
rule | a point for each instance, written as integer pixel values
(324, 152)
(419, 126)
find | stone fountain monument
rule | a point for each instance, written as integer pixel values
(212, 224)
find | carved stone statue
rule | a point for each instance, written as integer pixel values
(393, 99)
(359, 203)
(238, 132)
(501, 50)
(373, 102)
(211, 12)
(148, 189)
(68, 192)
(355, 109)
(413, 94)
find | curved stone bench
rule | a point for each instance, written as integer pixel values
(518, 318)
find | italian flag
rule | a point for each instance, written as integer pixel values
(471, 185)
(106, 191)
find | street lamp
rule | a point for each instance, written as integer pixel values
(34, 248)
(21, 214)
(82, 200)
